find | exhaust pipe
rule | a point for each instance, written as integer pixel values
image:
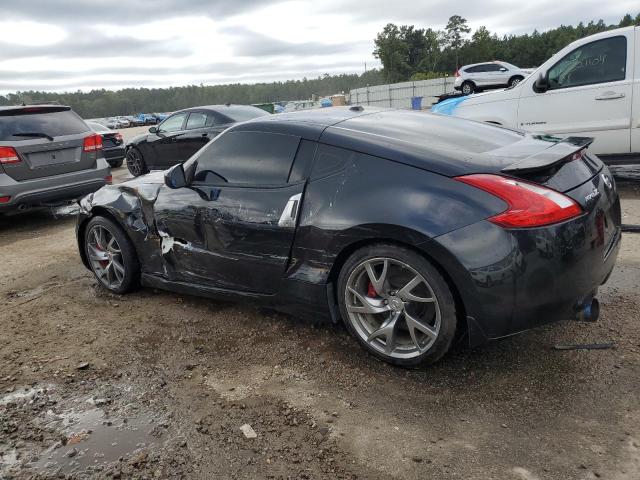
(589, 311)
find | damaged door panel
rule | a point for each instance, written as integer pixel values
(231, 240)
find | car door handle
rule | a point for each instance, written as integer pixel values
(610, 96)
(290, 212)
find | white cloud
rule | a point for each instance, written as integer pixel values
(72, 44)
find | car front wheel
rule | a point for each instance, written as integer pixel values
(397, 305)
(111, 255)
(135, 162)
(515, 81)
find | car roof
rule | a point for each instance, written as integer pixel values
(227, 108)
(34, 108)
(444, 144)
(482, 63)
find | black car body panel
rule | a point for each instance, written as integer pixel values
(360, 183)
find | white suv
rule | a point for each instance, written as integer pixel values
(476, 77)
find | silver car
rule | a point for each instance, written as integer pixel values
(480, 76)
(48, 155)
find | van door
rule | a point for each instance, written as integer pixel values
(590, 94)
(635, 108)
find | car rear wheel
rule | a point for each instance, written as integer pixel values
(136, 163)
(468, 88)
(397, 305)
(515, 81)
(115, 163)
(111, 255)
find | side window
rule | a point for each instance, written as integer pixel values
(596, 62)
(196, 120)
(330, 160)
(492, 67)
(473, 69)
(303, 161)
(173, 123)
(249, 158)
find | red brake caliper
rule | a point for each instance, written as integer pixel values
(371, 291)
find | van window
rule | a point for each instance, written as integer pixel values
(596, 62)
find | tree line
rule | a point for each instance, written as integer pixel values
(406, 53)
(129, 101)
(410, 53)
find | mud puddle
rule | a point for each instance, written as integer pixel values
(81, 436)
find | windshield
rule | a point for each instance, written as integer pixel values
(51, 124)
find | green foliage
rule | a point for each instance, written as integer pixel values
(415, 53)
(129, 101)
(427, 76)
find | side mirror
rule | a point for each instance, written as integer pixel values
(502, 69)
(541, 84)
(175, 178)
(153, 129)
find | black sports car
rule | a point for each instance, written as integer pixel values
(182, 134)
(411, 227)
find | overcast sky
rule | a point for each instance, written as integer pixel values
(65, 45)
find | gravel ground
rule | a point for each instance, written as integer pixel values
(158, 385)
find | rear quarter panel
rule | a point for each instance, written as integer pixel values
(373, 199)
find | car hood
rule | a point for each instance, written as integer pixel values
(155, 177)
(449, 106)
(137, 139)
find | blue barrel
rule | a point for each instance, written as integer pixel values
(416, 103)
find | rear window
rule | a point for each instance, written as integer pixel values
(54, 124)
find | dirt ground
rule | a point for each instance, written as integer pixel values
(158, 385)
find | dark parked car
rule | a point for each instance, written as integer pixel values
(48, 155)
(411, 227)
(182, 134)
(112, 144)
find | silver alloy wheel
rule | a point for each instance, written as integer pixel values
(392, 308)
(105, 256)
(466, 89)
(134, 162)
(515, 81)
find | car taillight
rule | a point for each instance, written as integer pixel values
(92, 143)
(5, 199)
(529, 205)
(108, 179)
(8, 155)
(457, 74)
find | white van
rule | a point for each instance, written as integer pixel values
(590, 88)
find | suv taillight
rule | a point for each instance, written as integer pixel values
(529, 204)
(92, 143)
(457, 73)
(8, 155)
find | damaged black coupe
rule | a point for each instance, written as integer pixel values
(410, 227)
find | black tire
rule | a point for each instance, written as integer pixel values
(468, 88)
(128, 255)
(438, 286)
(136, 163)
(115, 163)
(513, 81)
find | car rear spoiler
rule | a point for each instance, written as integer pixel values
(561, 151)
(29, 109)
